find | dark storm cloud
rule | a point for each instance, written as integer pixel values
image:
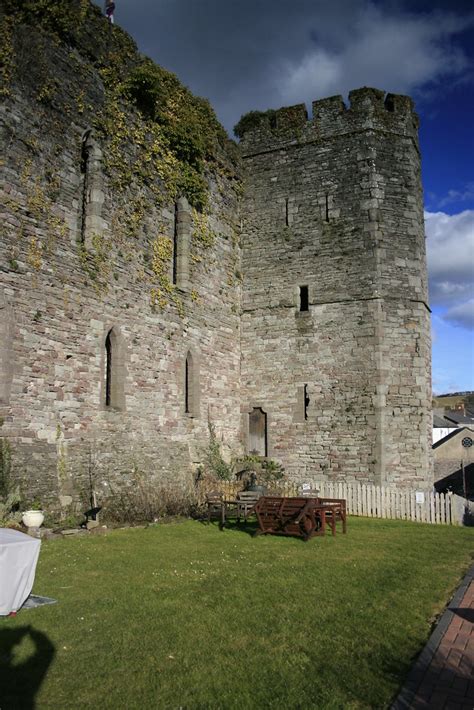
(255, 55)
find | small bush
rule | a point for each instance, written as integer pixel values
(254, 119)
(214, 463)
(10, 515)
(142, 501)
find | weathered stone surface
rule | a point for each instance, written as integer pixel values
(333, 204)
(354, 238)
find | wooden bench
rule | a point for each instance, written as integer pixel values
(286, 516)
(300, 516)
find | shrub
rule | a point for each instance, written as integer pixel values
(214, 463)
(10, 515)
(266, 471)
(254, 119)
(142, 501)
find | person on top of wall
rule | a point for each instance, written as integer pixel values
(109, 10)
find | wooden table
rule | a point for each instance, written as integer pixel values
(235, 507)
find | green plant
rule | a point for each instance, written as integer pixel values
(272, 471)
(56, 522)
(214, 462)
(5, 467)
(254, 119)
(34, 504)
(10, 514)
(267, 470)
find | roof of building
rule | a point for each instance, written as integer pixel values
(451, 435)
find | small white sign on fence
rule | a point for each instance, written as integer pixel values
(306, 487)
(419, 497)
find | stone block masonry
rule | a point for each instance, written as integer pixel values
(111, 281)
(334, 213)
(142, 297)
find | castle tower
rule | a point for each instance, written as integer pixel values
(336, 378)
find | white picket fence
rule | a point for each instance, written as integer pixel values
(376, 501)
(394, 503)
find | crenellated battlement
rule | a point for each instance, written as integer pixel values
(369, 109)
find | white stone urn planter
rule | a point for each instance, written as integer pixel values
(33, 518)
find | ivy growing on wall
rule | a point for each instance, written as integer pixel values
(158, 141)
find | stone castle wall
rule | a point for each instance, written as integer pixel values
(81, 257)
(334, 205)
(103, 261)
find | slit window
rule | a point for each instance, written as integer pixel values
(108, 369)
(187, 368)
(306, 401)
(175, 245)
(191, 385)
(304, 298)
(85, 156)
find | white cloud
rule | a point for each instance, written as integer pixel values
(458, 195)
(398, 52)
(450, 253)
(462, 315)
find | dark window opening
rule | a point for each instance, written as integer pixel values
(85, 149)
(175, 245)
(186, 384)
(306, 401)
(85, 156)
(304, 298)
(108, 369)
(287, 216)
(327, 207)
(389, 103)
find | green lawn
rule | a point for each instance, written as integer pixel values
(185, 616)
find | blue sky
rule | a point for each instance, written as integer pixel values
(259, 54)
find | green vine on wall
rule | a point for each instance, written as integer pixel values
(165, 291)
(158, 141)
(6, 55)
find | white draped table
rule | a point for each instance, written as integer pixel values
(18, 557)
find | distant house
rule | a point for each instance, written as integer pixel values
(446, 421)
(454, 462)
